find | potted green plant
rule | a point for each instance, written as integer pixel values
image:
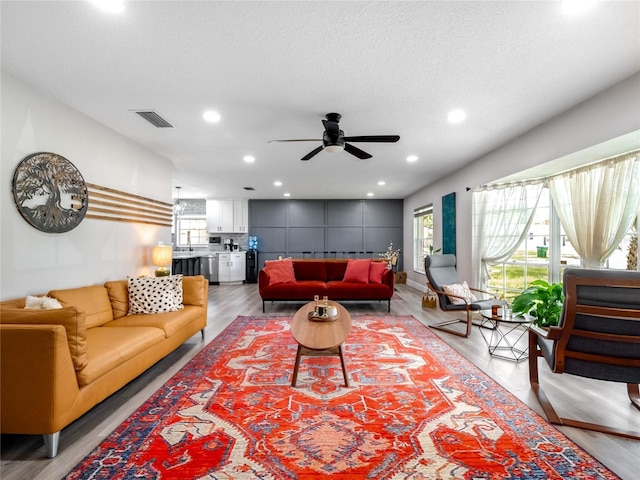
(543, 301)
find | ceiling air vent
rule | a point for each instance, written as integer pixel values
(154, 119)
(248, 188)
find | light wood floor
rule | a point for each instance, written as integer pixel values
(23, 457)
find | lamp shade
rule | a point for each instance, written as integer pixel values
(161, 256)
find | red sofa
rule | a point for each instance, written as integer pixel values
(324, 277)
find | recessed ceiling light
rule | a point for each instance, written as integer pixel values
(576, 6)
(211, 116)
(381, 183)
(287, 194)
(110, 6)
(412, 159)
(370, 194)
(249, 159)
(456, 116)
(277, 183)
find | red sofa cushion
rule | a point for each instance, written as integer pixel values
(280, 271)
(335, 269)
(301, 290)
(358, 291)
(310, 270)
(376, 271)
(357, 270)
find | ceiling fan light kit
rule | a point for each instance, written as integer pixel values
(333, 139)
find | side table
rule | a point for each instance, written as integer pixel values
(505, 336)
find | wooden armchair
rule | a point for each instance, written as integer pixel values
(441, 271)
(598, 337)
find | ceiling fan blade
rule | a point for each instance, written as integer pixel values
(297, 140)
(374, 138)
(312, 153)
(356, 151)
(332, 128)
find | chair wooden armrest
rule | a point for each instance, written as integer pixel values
(442, 292)
(549, 333)
(491, 294)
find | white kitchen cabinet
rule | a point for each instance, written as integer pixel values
(241, 216)
(220, 216)
(232, 267)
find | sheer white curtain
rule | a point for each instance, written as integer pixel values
(502, 216)
(597, 205)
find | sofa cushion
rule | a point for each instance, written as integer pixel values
(310, 270)
(70, 318)
(358, 291)
(92, 300)
(41, 303)
(335, 269)
(107, 348)
(194, 291)
(357, 270)
(301, 290)
(376, 271)
(118, 292)
(168, 322)
(155, 294)
(461, 290)
(280, 271)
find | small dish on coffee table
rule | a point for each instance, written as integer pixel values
(316, 317)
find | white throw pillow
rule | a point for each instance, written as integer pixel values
(41, 303)
(155, 294)
(462, 290)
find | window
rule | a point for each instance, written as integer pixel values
(422, 236)
(192, 232)
(546, 252)
(626, 255)
(531, 259)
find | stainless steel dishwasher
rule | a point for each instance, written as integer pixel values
(209, 264)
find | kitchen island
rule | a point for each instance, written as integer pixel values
(186, 263)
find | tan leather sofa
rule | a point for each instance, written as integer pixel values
(55, 365)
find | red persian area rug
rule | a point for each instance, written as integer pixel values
(416, 409)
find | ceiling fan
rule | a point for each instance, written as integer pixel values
(333, 139)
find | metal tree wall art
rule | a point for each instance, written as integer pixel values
(50, 192)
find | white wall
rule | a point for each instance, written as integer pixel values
(33, 262)
(610, 114)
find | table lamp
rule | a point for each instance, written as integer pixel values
(161, 256)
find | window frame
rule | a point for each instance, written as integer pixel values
(420, 240)
(199, 236)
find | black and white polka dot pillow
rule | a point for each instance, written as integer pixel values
(155, 294)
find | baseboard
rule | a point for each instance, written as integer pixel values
(418, 286)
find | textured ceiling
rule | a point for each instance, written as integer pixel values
(274, 69)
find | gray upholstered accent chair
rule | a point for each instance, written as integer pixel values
(441, 271)
(598, 337)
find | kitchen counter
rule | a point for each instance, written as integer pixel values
(191, 263)
(186, 263)
(184, 255)
(181, 255)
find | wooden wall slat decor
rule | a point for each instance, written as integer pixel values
(110, 204)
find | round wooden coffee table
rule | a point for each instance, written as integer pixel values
(320, 338)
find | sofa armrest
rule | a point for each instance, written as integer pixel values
(389, 278)
(70, 318)
(38, 384)
(263, 279)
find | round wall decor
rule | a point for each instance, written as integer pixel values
(49, 192)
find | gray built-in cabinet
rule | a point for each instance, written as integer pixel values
(325, 228)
